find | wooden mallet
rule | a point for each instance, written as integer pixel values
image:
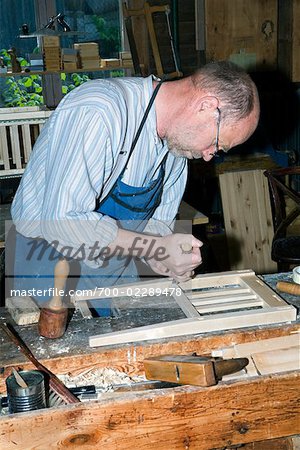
(53, 318)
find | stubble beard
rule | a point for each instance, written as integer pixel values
(177, 150)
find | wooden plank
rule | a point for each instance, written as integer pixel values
(248, 220)
(15, 146)
(228, 306)
(267, 356)
(264, 408)
(209, 295)
(10, 173)
(153, 40)
(26, 141)
(289, 38)
(243, 31)
(268, 296)
(216, 280)
(189, 326)
(276, 361)
(184, 303)
(296, 42)
(21, 117)
(224, 299)
(274, 444)
(270, 344)
(4, 148)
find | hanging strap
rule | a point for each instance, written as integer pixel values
(146, 113)
(109, 186)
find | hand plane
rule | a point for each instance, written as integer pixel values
(190, 369)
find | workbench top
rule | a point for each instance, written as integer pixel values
(184, 417)
(144, 311)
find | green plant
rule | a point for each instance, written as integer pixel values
(27, 90)
(21, 91)
(71, 81)
(109, 37)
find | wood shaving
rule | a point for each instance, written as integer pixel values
(105, 378)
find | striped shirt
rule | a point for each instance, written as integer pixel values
(80, 153)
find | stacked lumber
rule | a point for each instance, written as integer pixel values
(126, 59)
(51, 53)
(69, 59)
(110, 62)
(88, 53)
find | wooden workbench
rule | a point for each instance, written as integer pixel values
(185, 417)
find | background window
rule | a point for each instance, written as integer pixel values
(86, 21)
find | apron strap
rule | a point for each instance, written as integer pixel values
(119, 160)
(151, 101)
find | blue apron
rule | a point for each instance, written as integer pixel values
(131, 206)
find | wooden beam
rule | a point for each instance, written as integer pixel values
(184, 417)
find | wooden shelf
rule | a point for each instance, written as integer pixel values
(47, 72)
(43, 32)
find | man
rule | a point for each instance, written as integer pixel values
(107, 174)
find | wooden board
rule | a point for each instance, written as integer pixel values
(235, 412)
(243, 31)
(275, 355)
(210, 302)
(248, 220)
(158, 420)
(289, 38)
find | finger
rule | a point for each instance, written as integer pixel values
(192, 260)
(196, 242)
(184, 277)
(161, 269)
(191, 240)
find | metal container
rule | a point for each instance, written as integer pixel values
(26, 399)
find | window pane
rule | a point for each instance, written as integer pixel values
(16, 16)
(13, 14)
(88, 21)
(96, 21)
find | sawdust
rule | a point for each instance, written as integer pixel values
(105, 379)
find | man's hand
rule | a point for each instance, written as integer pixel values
(180, 257)
(175, 255)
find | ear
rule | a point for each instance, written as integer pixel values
(208, 102)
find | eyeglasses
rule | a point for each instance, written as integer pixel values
(218, 131)
(217, 148)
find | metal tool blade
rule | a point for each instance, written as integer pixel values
(227, 366)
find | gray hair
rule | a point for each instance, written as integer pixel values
(231, 84)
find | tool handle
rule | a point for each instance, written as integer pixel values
(186, 247)
(288, 287)
(61, 272)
